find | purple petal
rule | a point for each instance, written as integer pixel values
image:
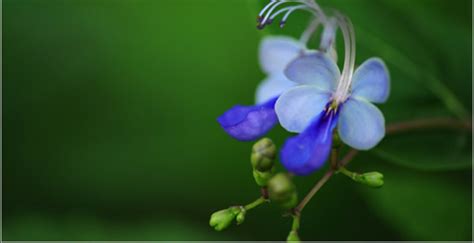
(246, 123)
(297, 107)
(307, 152)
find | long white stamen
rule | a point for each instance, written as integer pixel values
(312, 27)
(302, 7)
(267, 7)
(267, 16)
(317, 8)
(343, 88)
(287, 9)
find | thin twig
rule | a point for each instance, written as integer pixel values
(448, 123)
(313, 191)
(391, 129)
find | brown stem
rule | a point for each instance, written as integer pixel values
(391, 129)
(313, 191)
(448, 123)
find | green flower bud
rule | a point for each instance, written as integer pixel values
(222, 219)
(282, 191)
(263, 154)
(372, 179)
(241, 216)
(293, 237)
(262, 178)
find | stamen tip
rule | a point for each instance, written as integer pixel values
(282, 24)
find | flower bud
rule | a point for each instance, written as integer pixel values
(222, 219)
(262, 178)
(293, 237)
(263, 154)
(372, 179)
(241, 216)
(282, 191)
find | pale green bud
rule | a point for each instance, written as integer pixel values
(293, 237)
(262, 178)
(372, 179)
(241, 216)
(263, 153)
(282, 191)
(222, 219)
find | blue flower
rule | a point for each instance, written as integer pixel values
(246, 123)
(324, 100)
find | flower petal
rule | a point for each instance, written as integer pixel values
(371, 81)
(272, 87)
(297, 107)
(308, 151)
(277, 51)
(361, 124)
(246, 123)
(316, 69)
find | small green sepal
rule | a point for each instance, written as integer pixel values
(262, 178)
(241, 216)
(293, 236)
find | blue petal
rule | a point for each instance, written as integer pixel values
(371, 81)
(316, 69)
(272, 87)
(297, 107)
(308, 151)
(246, 123)
(277, 52)
(361, 124)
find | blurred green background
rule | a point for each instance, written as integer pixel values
(110, 128)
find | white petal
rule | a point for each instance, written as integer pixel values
(316, 69)
(371, 81)
(297, 107)
(272, 87)
(361, 124)
(276, 52)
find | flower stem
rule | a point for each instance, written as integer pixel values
(448, 123)
(313, 191)
(465, 125)
(255, 203)
(296, 223)
(348, 173)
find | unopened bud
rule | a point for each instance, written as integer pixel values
(263, 153)
(222, 219)
(282, 191)
(293, 237)
(241, 216)
(372, 179)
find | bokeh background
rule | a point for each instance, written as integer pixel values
(110, 132)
